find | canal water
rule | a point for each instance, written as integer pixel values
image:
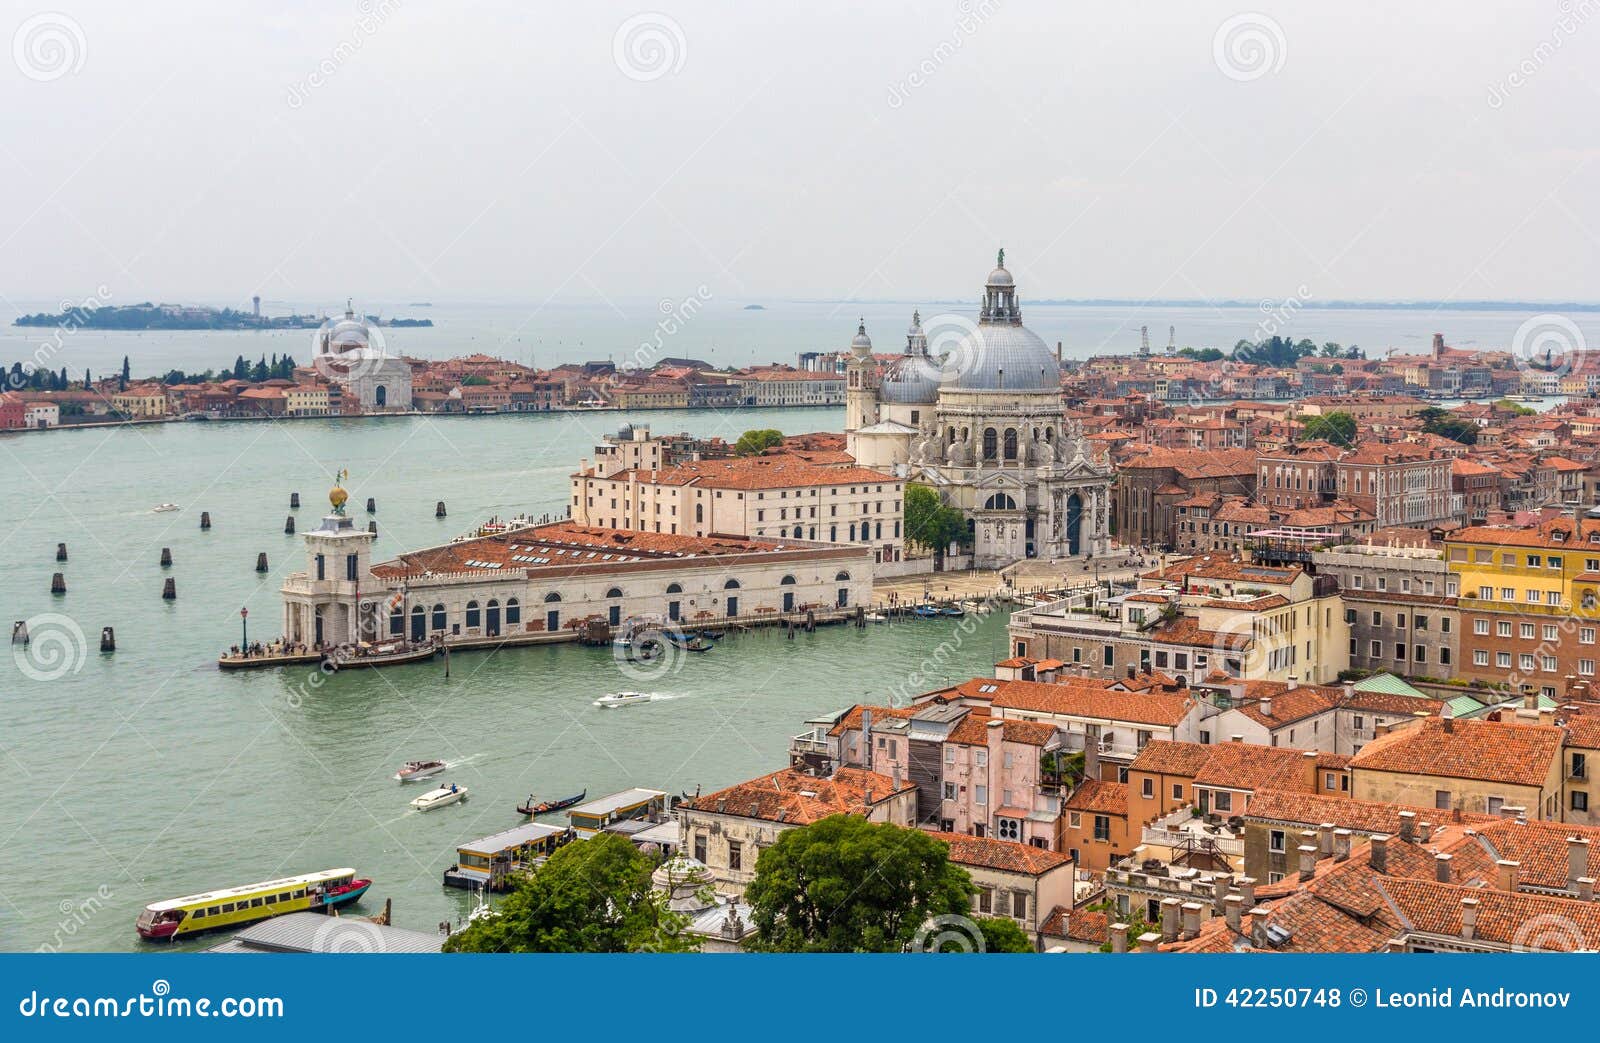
(147, 774)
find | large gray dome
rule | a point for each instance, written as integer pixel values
(1004, 357)
(912, 380)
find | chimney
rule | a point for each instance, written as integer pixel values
(1266, 706)
(1341, 845)
(1380, 852)
(1119, 937)
(1349, 692)
(1469, 917)
(866, 739)
(1514, 811)
(1221, 887)
(1247, 891)
(1234, 906)
(1131, 671)
(1308, 861)
(1171, 909)
(1507, 874)
(1449, 717)
(1191, 919)
(1577, 861)
(1294, 682)
(1408, 826)
(1325, 840)
(1148, 941)
(1585, 888)
(1441, 867)
(1530, 701)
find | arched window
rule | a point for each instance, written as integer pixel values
(732, 584)
(1011, 443)
(551, 598)
(614, 592)
(952, 437)
(999, 502)
(699, 513)
(474, 616)
(843, 577)
(438, 617)
(799, 532)
(674, 588)
(513, 612)
(989, 443)
(1050, 434)
(787, 581)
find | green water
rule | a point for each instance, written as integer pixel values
(148, 774)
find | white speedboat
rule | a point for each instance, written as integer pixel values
(438, 798)
(619, 699)
(414, 770)
(875, 617)
(162, 508)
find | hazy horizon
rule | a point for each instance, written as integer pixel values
(493, 152)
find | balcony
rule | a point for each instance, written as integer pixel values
(1180, 830)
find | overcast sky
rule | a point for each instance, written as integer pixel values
(529, 150)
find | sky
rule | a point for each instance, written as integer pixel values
(534, 151)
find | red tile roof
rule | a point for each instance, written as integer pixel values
(1004, 855)
(793, 797)
(1491, 751)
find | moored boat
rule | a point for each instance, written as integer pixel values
(370, 656)
(953, 611)
(544, 807)
(925, 612)
(234, 906)
(449, 793)
(618, 699)
(412, 771)
(875, 617)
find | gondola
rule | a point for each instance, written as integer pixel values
(544, 807)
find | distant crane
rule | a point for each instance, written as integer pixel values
(1144, 340)
(1172, 339)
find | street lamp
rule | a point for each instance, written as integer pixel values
(244, 629)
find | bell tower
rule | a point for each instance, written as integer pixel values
(861, 393)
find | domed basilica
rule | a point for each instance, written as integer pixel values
(981, 421)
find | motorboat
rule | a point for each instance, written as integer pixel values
(545, 807)
(875, 617)
(925, 612)
(413, 771)
(620, 699)
(163, 508)
(954, 611)
(448, 793)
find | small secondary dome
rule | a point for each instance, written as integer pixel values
(861, 344)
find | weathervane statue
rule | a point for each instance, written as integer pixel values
(337, 495)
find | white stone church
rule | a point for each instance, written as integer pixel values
(983, 424)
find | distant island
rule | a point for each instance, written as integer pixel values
(755, 307)
(148, 316)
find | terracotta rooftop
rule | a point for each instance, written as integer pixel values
(793, 797)
(1004, 855)
(1490, 751)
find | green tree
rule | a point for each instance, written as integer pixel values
(1445, 424)
(756, 442)
(1505, 405)
(1003, 935)
(590, 896)
(929, 522)
(844, 884)
(1337, 427)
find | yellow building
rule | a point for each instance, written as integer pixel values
(144, 400)
(1530, 603)
(305, 400)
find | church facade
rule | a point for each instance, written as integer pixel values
(983, 424)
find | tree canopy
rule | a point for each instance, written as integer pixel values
(929, 522)
(1337, 427)
(590, 896)
(1446, 424)
(844, 884)
(756, 442)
